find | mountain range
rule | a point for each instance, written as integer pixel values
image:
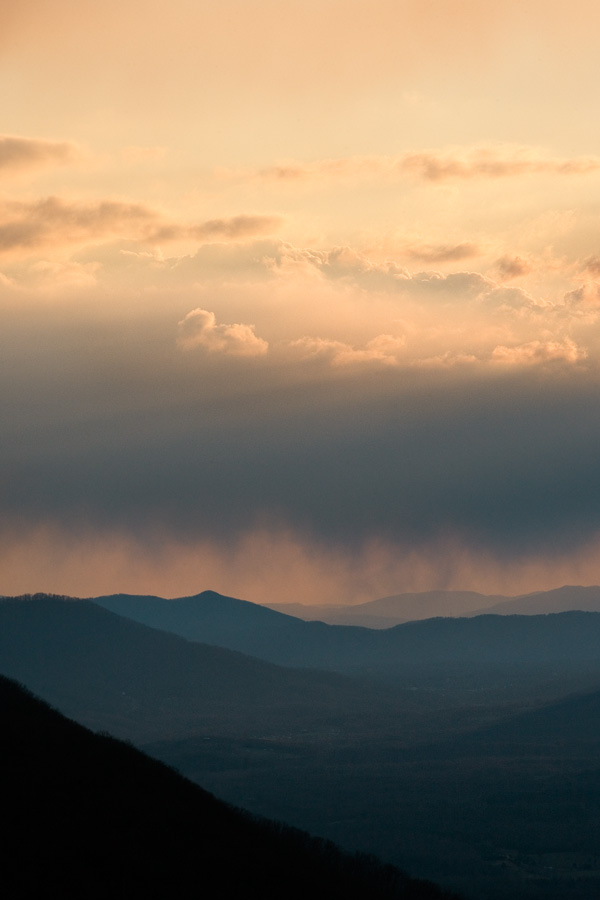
(389, 611)
(448, 746)
(572, 637)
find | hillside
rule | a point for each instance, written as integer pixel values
(506, 810)
(142, 684)
(91, 817)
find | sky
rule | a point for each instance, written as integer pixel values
(299, 302)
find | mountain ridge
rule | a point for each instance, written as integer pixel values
(288, 641)
(396, 609)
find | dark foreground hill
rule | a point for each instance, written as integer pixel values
(89, 817)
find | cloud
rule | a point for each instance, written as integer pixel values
(18, 153)
(540, 353)
(513, 267)
(592, 265)
(447, 360)
(235, 228)
(384, 349)
(492, 162)
(457, 163)
(122, 435)
(55, 222)
(515, 298)
(267, 565)
(440, 253)
(586, 297)
(199, 329)
(352, 267)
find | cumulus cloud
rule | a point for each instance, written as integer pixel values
(17, 153)
(54, 221)
(539, 352)
(447, 360)
(277, 259)
(348, 265)
(383, 349)
(200, 329)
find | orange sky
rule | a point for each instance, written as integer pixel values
(264, 234)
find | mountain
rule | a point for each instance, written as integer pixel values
(239, 625)
(569, 637)
(213, 619)
(569, 597)
(142, 684)
(90, 817)
(399, 608)
(395, 610)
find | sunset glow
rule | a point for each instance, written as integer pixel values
(299, 301)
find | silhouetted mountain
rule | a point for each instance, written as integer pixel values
(331, 756)
(89, 817)
(570, 637)
(110, 672)
(211, 618)
(247, 627)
